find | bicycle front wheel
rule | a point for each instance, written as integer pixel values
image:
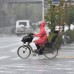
(50, 53)
(24, 52)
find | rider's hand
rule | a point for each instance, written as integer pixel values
(31, 34)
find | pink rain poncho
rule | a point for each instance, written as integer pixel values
(42, 35)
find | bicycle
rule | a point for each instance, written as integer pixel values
(49, 49)
(65, 39)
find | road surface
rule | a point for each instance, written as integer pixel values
(10, 63)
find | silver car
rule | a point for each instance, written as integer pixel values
(23, 27)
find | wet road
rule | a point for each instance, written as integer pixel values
(10, 63)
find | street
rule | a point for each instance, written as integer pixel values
(10, 63)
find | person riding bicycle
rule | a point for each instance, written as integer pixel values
(42, 37)
(40, 43)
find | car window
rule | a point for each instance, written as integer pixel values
(24, 23)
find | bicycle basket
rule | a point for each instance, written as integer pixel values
(27, 38)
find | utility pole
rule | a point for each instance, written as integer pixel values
(42, 9)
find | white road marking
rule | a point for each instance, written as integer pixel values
(14, 50)
(4, 41)
(68, 69)
(13, 39)
(17, 58)
(6, 72)
(68, 47)
(41, 70)
(58, 64)
(71, 61)
(21, 69)
(14, 65)
(10, 45)
(9, 40)
(70, 72)
(58, 68)
(4, 57)
(3, 67)
(64, 68)
(1, 71)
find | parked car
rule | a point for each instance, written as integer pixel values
(23, 27)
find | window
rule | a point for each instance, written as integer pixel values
(23, 23)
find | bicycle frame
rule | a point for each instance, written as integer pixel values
(28, 44)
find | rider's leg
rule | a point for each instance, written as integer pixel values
(33, 45)
(38, 47)
(41, 50)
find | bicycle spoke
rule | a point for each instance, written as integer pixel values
(51, 53)
(23, 51)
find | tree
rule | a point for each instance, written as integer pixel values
(50, 16)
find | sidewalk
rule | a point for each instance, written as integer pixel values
(66, 51)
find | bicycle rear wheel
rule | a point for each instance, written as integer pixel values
(50, 53)
(24, 52)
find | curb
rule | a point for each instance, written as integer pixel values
(65, 57)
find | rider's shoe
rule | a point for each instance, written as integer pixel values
(40, 53)
(36, 51)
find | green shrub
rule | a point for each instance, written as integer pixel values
(58, 39)
(70, 33)
(50, 36)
